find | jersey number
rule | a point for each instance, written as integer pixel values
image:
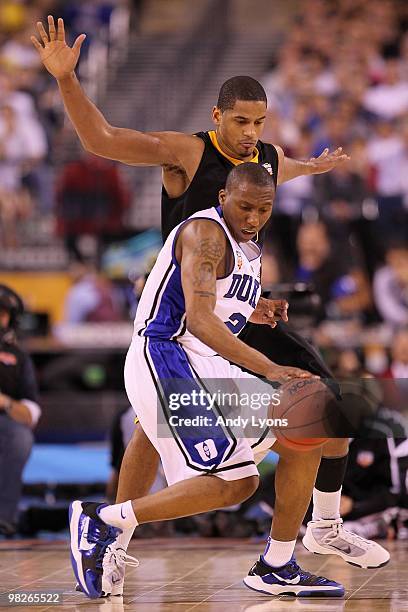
(236, 322)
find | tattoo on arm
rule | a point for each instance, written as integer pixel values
(208, 253)
(204, 293)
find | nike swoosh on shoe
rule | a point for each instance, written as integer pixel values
(295, 580)
(345, 549)
(83, 543)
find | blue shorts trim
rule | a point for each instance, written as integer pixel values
(204, 446)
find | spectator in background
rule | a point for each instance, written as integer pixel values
(389, 99)
(386, 154)
(92, 297)
(20, 150)
(341, 285)
(399, 353)
(271, 273)
(91, 199)
(371, 485)
(22, 102)
(348, 364)
(17, 53)
(19, 410)
(335, 127)
(90, 17)
(340, 198)
(295, 195)
(403, 125)
(293, 200)
(395, 379)
(340, 202)
(26, 89)
(390, 285)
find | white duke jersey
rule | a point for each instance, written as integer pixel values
(161, 312)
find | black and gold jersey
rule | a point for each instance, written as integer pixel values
(209, 178)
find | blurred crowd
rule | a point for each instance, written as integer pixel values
(340, 78)
(33, 196)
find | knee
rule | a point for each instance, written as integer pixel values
(298, 457)
(18, 440)
(239, 490)
(336, 447)
(26, 441)
(250, 485)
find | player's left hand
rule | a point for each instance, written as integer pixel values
(269, 312)
(327, 161)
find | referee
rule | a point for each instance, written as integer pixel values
(19, 410)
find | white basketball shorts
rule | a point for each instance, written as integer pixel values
(191, 439)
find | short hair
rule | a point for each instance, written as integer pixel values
(240, 88)
(249, 172)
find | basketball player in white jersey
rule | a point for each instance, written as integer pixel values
(203, 288)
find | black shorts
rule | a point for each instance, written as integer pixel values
(286, 347)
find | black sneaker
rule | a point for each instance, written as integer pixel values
(290, 579)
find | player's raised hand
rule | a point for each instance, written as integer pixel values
(58, 58)
(327, 161)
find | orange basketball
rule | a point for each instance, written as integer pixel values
(304, 412)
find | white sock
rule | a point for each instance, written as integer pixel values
(119, 515)
(124, 538)
(326, 505)
(278, 553)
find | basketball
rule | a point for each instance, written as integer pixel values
(306, 406)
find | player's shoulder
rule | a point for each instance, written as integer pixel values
(270, 145)
(200, 237)
(203, 228)
(186, 150)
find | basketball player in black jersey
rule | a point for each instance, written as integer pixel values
(195, 168)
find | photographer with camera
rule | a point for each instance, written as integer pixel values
(19, 410)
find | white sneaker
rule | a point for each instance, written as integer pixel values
(114, 565)
(328, 537)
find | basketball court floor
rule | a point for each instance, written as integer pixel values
(179, 575)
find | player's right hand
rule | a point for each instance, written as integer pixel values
(284, 373)
(58, 58)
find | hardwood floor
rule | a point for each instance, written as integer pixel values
(180, 575)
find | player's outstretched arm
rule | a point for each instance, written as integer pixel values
(201, 252)
(291, 168)
(96, 134)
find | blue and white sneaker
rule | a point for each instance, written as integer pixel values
(290, 580)
(90, 537)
